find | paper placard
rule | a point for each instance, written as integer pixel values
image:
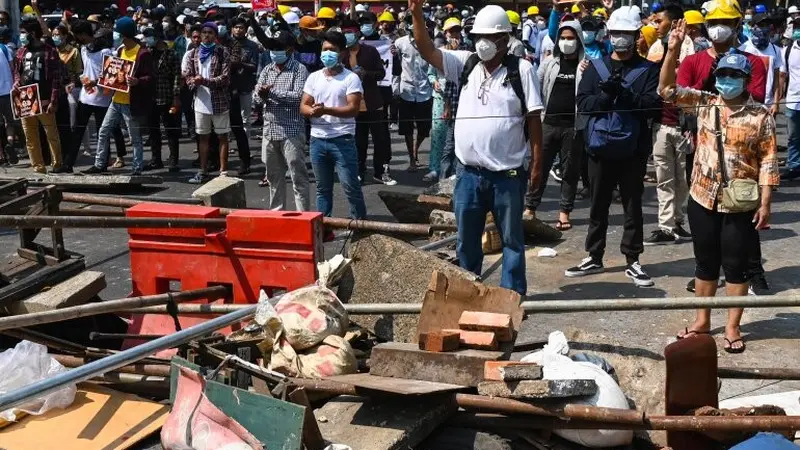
(260, 5)
(26, 102)
(115, 71)
(384, 47)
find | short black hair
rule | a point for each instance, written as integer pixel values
(239, 21)
(336, 38)
(673, 11)
(32, 26)
(196, 27)
(82, 27)
(348, 23)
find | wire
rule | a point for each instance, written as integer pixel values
(752, 390)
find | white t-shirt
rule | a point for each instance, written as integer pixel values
(332, 91)
(489, 127)
(793, 90)
(185, 63)
(202, 97)
(92, 67)
(774, 54)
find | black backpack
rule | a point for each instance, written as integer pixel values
(511, 63)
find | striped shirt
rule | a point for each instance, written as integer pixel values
(282, 119)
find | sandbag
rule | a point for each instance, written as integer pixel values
(333, 356)
(311, 314)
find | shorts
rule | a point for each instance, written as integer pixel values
(721, 239)
(219, 123)
(411, 113)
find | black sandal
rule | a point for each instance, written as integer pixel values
(264, 182)
(687, 333)
(731, 349)
(563, 226)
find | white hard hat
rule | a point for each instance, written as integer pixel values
(291, 18)
(492, 19)
(180, 19)
(465, 13)
(296, 10)
(626, 18)
(360, 8)
(794, 9)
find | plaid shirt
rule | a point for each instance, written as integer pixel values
(748, 134)
(168, 79)
(452, 91)
(220, 77)
(282, 119)
(53, 70)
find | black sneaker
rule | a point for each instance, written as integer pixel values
(640, 278)
(690, 285)
(588, 266)
(62, 170)
(758, 286)
(681, 233)
(153, 165)
(790, 174)
(555, 172)
(92, 170)
(661, 237)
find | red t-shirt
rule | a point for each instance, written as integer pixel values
(696, 69)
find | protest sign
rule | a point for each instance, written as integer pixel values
(26, 101)
(384, 47)
(115, 72)
(260, 5)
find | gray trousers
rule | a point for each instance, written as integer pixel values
(280, 156)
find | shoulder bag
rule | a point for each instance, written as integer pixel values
(740, 194)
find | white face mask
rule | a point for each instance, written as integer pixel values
(622, 42)
(567, 47)
(485, 49)
(720, 33)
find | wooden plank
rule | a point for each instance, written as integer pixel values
(13, 186)
(19, 204)
(395, 385)
(312, 437)
(98, 419)
(40, 256)
(397, 360)
(35, 282)
(75, 291)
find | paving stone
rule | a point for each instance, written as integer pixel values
(75, 291)
(225, 192)
(511, 371)
(537, 388)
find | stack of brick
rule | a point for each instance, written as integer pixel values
(477, 331)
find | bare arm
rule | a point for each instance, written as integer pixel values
(535, 132)
(670, 65)
(424, 43)
(307, 106)
(351, 110)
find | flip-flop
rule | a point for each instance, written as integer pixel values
(731, 349)
(563, 226)
(689, 333)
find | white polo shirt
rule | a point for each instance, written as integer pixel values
(490, 124)
(773, 60)
(793, 69)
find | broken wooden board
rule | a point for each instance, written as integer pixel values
(275, 423)
(45, 277)
(98, 419)
(398, 360)
(95, 181)
(395, 385)
(385, 423)
(75, 291)
(448, 297)
(538, 389)
(388, 270)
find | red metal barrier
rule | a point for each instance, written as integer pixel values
(270, 250)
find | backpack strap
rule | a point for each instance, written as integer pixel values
(469, 66)
(602, 69)
(635, 73)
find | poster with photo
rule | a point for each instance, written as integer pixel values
(26, 102)
(115, 73)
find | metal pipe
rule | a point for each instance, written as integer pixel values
(91, 212)
(107, 222)
(541, 306)
(502, 405)
(97, 336)
(599, 414)
(440, 243)
(74, 312)
(156, 370)
(124, 358)
(752, 373)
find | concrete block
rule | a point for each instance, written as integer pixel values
(440, 217)
(444, 188)
(383, 423)
(526, 389)
(75, 291)
(388, 270)
(511, 371)
(462, 367)
(478, 340)
(499, 324)
(226, 192)
(439, 341)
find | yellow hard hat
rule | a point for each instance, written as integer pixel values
(723, 10)
(450, 23)
(326, 13)
(28, 9)
(513, 17)
(693, 17)
(533, 10)
(575, 9)
(600, 12)
(386, 16)
(284, 9)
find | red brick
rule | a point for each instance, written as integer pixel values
(500, 324)
(439, 341)
(479, 340)
(492, 372)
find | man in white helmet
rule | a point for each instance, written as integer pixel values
(617, 95)
(498, 108)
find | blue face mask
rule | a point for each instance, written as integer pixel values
(270, 21)
(23, 39)
(796, 35)
(760, 38)
(351, 39)
(117, 39)
(729, 87)
(589, 36)
(222, 30)
(329, 58)
(208, 45)
(150, 41)
(278, 56)
(57, 41)
(367, 29)
(296, 32)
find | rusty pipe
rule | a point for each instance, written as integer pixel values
(599, 414)
(156, 370)
(502, 405)
(118, 202)
(107, 222)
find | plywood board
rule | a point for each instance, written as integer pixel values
(395, 385)
(99, 418)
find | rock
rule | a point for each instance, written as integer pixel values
(75, 291)
(440, 217)
(537, 388)
(226, 192)
(388, 270)
(539, 231)
(443, 188)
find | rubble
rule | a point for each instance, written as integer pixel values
(527, 389)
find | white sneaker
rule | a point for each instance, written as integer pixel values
(223, 174)
(635, 272)
(431, 176)
(385, 178)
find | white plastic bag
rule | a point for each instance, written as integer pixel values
(28, 363)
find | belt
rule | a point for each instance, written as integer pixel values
(511, 173)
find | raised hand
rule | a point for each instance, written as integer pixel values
(608, 5)
(677, 35)
(415, 5)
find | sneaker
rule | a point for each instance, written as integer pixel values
(118, 164)
(690, 285)
(661, 237)
(431, 176)
(589, 266)
(555, 172)
(640, 278)
(790, 174)
(11, 157)
(62, 170)
(92, 170)
(393, 126)
(41, 170)
(85, 153)
(385, 178)
(758, 286)
(223, 174)
(199, 178)
(361, 177)
(154, 165)
(681, 233)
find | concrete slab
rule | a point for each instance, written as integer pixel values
(77, 290)
(226, 192)
(385, 423)
(537, 388)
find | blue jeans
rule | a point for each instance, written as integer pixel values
(340, 153)
(477, 192)
(449, 162)
(117, 112)
(793, 160)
